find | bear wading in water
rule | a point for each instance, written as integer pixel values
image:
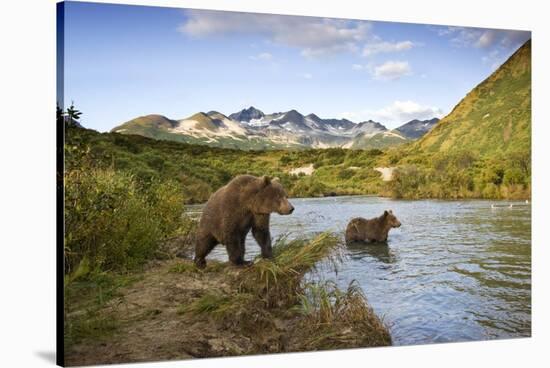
(245, 203)
(373, 230)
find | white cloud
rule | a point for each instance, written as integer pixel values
(384, 47)
(486, 39)
(483, 38)
(357, 67)
(497, 43)
(264, 56)
(313, 36)
(403, 111)
(396, 114)
(391, 70)
(442, 31)
(494, 59)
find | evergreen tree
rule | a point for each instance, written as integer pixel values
(73, 114)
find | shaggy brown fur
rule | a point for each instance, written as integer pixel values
(373, 230)
(245, 203)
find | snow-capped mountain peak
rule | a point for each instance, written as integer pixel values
(252, 127)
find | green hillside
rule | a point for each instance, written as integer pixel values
(495, 117)
(149, 125)
(380, 140)
(482, 149)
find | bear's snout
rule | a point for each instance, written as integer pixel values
(286, 208)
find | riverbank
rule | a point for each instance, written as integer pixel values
(500, 202)
(172, 310)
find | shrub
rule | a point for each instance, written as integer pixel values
(308, 186)
(112, 222)
(513, 176)
(345, 174)
(285, 160)
(407, 181)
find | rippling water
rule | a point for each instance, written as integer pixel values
(454, 271)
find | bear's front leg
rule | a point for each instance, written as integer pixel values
(236, 249)
(260, 231)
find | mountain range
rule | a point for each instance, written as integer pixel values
(253, 129)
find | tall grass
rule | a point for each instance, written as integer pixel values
(278, 281)
(336, 318)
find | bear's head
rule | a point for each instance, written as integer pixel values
(390, 219)
(271, 197)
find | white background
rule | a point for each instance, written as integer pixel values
(27, 202)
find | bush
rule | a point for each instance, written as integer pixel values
(285, 160)
(308, 187)
(407, 181)
(112, 223)
(345, 174)
(513, 176)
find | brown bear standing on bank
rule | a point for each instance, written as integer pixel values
(373, 230)
(245, 203)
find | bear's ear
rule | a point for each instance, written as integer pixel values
(385, 213)
(266, 180)
(390, 211)
(276, 179)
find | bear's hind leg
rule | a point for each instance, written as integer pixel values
(203, 247)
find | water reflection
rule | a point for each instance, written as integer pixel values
(379, 251)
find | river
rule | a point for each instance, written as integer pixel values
(454, 270)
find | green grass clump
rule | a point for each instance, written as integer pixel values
(339, 319)
(221, 306)
(90, 325)
(86, 294)
(190, 268)
(277, 281)
(184, 267)
(267, 284)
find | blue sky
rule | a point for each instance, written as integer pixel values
(125, 61)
